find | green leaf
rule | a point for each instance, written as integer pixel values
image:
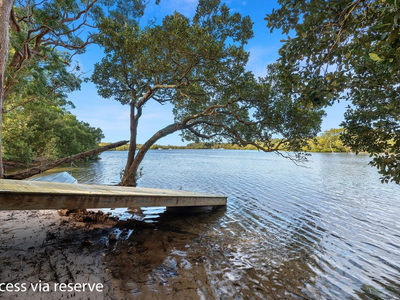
(381, 26)
(374, 57)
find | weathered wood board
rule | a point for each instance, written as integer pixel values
(32, 195)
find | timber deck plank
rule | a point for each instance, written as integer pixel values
(21, 195)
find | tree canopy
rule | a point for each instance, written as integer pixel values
(38, 78)
(347, 50)
(328, 141)
(47, 132)
(198, 66)
(38, 42)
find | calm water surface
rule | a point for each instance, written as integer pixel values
(329, 230)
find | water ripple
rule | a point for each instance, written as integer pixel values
(327, 231)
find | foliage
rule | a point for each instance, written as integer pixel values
(329, 141)
(43, 81)
(37, 70)
(44, 37)
(198, 66)
(347, 50)
(40, 26)
(199, 146)
(120, 148)
(163, 147)
(48, 132)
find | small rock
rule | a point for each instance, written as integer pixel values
(112, 238)
(63, 212)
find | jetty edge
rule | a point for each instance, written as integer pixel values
(38, 195)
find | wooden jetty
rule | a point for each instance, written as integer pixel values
(32, 195)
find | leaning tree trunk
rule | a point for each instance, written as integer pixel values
(131, 175)
(36, 170)
(5, 10)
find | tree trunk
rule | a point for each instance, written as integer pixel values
(130, 176)
(5, 10)
(134, 120)
(36, 170)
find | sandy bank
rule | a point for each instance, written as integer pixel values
(170, 259)
(42, 247)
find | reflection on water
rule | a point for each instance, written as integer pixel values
(330, 230)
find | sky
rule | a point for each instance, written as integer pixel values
(113, 117)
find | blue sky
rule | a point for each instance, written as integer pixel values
(113, 118)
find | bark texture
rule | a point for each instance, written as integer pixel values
(5, 11)
(134, 117)
(36, 170)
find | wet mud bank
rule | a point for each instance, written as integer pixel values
(133, 259)
(40, 249)
(170, 256)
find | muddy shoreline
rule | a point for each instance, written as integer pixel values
(169, 259)
(42, 247)
(166, 257)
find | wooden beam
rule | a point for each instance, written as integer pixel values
(35, 195)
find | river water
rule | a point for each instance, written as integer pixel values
(327, 230)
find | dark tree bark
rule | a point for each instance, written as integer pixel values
(5, 11)
(36, 170)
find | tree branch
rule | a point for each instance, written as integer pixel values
(13, 22)
(36, 170)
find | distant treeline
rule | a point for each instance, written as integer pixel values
(188, 146)
(329, 141)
